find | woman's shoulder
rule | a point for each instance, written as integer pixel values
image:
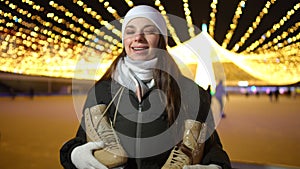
(100, 86)
(105, 87)
(103, 82)
(101, 92)
(189, 84)
(190, 87)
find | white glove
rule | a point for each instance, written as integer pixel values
(198, 166)
(82, 156)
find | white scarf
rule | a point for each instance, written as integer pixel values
(136, 75)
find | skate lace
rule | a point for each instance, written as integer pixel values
(179, 158)
(106, 132)
(108, 136)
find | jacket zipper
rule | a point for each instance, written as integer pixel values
(138, 136)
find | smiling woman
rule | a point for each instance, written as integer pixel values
(143, 112)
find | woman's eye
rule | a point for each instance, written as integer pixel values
(129, 32)
(150, 32)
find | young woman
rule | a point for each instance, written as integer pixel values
(151, 101)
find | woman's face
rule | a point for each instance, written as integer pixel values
(141, 38)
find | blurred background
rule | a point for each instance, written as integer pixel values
(52, 51)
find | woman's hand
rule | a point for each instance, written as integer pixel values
(82, 156)
(198, 166)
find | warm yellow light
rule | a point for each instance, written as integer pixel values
(233, 25)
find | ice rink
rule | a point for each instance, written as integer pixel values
(254, 131)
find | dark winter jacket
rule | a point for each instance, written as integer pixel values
(156, 137)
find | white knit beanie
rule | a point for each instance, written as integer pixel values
(144, 11)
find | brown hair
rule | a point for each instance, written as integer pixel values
(165, 76)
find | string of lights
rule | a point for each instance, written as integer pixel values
(31, 31)
(89, 38)
(129, 3)
(94, 14)
(212, 22)
(50, 60)
(20, 60)
(55, 18)
(110, 9)
(275, 43)
(254, 25)
(275, 27)
(94, 39)
(188, 18)
(234, 23)
(53, 37)
(169, 26)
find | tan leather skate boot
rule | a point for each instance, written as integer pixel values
(190, 150)
(99, 128)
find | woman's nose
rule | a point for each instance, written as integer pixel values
(139, 36)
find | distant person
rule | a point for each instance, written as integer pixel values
(31, 93)
(220, 92)
(257, 94)
(276, 93)
(247, 94)
(289, 92)
(294, 93)
(271, 95)
(12, 93)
